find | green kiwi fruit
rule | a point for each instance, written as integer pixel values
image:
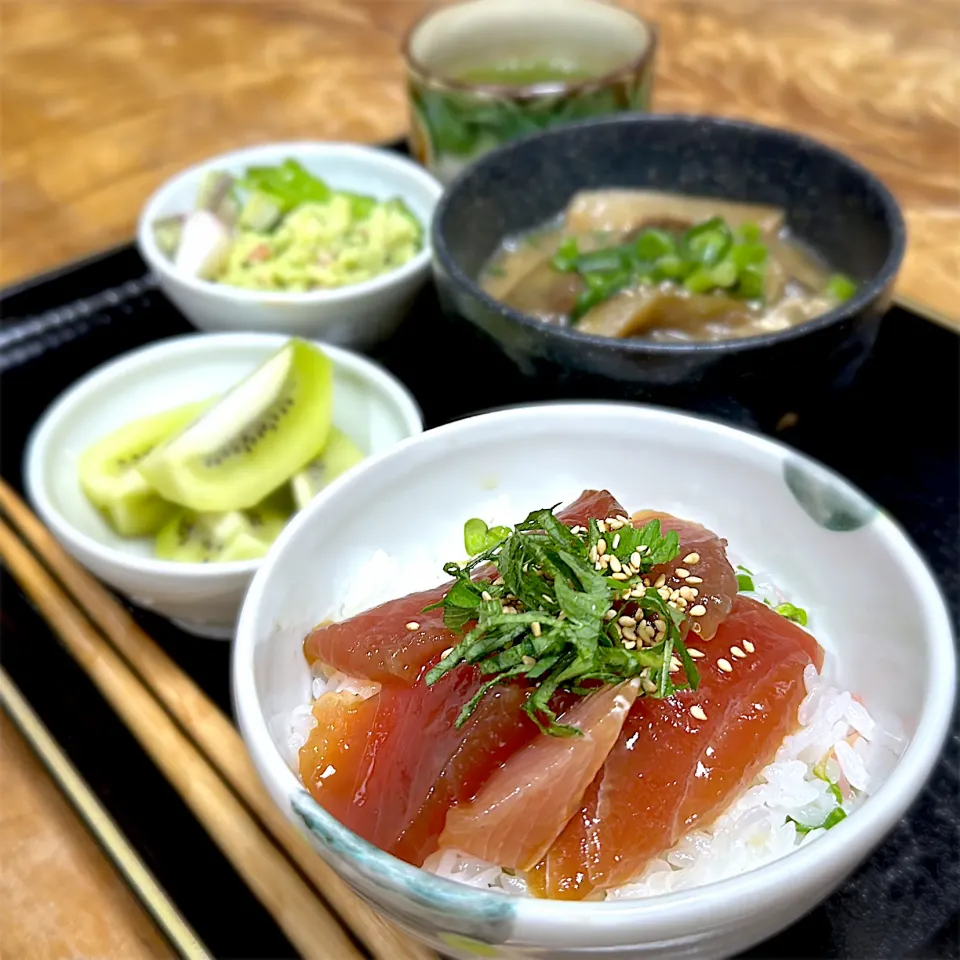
(260, 433)
(192, 537)
(338, 455)
(111, 482)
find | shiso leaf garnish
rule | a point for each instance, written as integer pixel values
(538, 609)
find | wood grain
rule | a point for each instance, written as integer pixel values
(310, 927)
(103, 99)
(60, 898)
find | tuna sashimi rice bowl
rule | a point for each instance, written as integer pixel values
(595, 701)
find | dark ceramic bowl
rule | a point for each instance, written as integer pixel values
(833, 204)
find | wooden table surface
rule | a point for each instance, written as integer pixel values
(104, 99)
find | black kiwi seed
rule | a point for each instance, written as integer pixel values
(245, 442)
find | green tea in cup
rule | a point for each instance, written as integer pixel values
(483, 72)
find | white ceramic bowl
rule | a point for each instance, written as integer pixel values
(787, 514)
(355, 316)
(370, 405)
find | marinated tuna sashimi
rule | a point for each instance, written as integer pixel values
(524, 805)
(584, 691)
(392, 642)
(390, 767)
(701, 574)
(681, 759)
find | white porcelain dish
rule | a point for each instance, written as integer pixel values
(356, 316)
(873, 594)
(370, 405)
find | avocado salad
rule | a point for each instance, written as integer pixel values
(280, 228)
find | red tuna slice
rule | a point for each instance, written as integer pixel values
(525, 804)
(391, 766)
(377, 643)
(671, 768)
(715, 580)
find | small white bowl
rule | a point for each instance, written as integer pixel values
(370, 405)
(871, 596)
(356, 316)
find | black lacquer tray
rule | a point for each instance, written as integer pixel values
(894, 433)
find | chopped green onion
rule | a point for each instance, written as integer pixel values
(790, 612)
(840, 287)
(707, 243)
(478, 537)
(651, 245)
(745, 583)
(567, 255)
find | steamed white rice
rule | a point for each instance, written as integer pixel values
(838, 736)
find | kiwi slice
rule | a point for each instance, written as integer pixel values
(111, 482)
(260, 433)
(338, 455)
(192, 537)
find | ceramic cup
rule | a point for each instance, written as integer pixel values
(483, 72)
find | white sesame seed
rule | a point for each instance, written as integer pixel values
(693, 580)
(627, 622)
(620, 575)
(485, 595)
(601, 546)
(616, 541)
(661, 580)
(724, 665)
(695, 653)
(413, 625)
(696, 711)
(698, 610)
(648, 685)
(681, 573)
(535, 628)
(692, 558)
(737, 652)
(615, 564)
(748, 646)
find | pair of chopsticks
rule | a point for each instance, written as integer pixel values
(197, 749)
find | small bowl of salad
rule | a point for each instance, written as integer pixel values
(323, 240)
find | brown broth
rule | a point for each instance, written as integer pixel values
(519, 272)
